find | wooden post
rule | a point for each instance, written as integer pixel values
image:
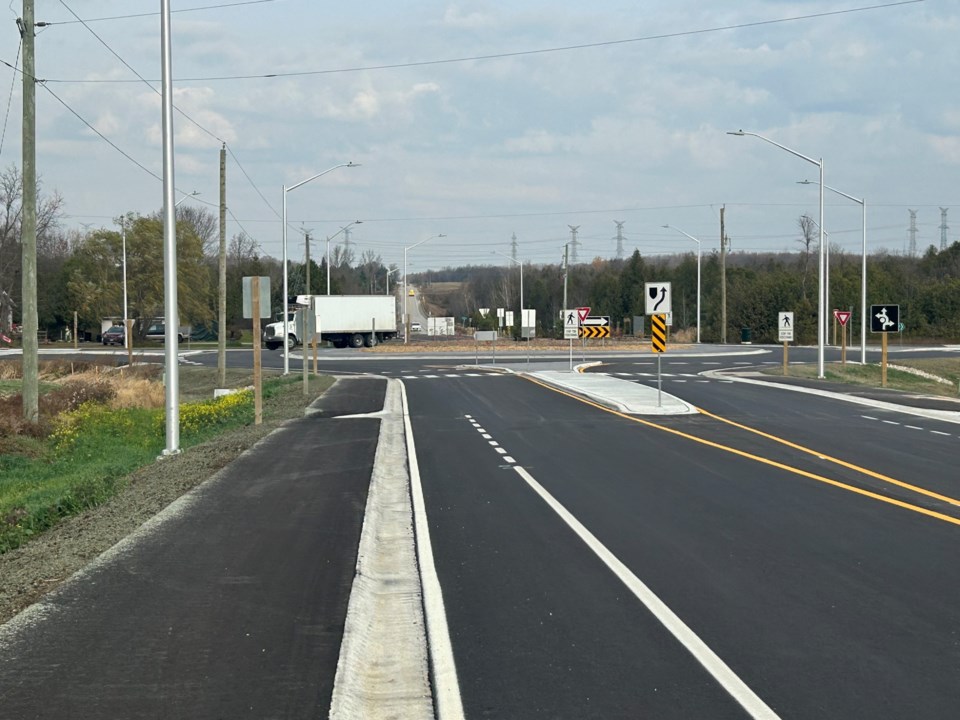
(76, 340)
(843, 346)
(786, 347)
(257, 377)
(128, 340)
(883, 360)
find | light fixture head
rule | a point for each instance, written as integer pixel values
(740, 133)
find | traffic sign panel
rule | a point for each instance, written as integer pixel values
(842, 316)
(570, 324)
(657, 298)
(582, 313)
(785, 326)
(884, 318)
(595, 327)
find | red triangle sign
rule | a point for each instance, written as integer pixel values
(842, 316)
(582, 313)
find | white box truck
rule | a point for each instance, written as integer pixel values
(345, 320)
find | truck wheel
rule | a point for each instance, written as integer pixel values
(356, 341)
(291, 342)
(272, 345)
(370, 340)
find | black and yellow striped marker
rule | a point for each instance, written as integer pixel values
(658, 333)
(594, 331)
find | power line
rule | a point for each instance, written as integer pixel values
(143, 15)
(13, 83)
(522, 53)
(179, 110)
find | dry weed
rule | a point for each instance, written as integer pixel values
(137, 393)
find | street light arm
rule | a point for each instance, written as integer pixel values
(832, 189)
(432, 237)
(741, 133)
(671, 227)
(320, 174)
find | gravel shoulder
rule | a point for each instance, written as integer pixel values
(38, 567)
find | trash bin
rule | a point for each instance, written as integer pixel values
(745, 336)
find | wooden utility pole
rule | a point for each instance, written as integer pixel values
(28, 228)
(723, 276)
(222, 301)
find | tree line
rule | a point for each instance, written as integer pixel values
(82, 272)
(758, 286)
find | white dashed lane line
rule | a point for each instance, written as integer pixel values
(907, 427)
(490, 441)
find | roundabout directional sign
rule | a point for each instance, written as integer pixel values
(595, 326)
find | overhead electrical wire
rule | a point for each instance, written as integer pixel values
(155, 14)
(521, 53)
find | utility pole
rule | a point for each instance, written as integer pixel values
(306, 241)
(573, 239)
(346, 242)
(723, 276)
(222, 301)
(619, 224)
(31, 385)
(513, 247)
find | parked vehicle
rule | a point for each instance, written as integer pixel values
(114, 335)
(157, 332)
(416, 327)
(344, 320)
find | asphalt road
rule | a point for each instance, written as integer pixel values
(825, 602)
(780, 554)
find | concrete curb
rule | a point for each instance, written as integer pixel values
(382, 671)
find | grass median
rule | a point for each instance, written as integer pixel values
(921, 376)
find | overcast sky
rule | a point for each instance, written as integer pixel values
(548, 114)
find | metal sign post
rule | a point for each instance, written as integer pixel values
(257, 374)
(658, 344)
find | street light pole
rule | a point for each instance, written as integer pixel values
(389, 273)
(863, 265)
(821, 325)
(698, 273)
(406, 320)
(283, 302)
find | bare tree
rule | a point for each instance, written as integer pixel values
(48, 213)
(809, 238)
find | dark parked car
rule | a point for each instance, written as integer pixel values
(114, 335)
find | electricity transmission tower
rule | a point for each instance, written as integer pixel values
(912, 250)
(943, 229)
(619, 224)
(574, 243)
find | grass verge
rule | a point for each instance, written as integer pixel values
(946, 369)
(93, 448)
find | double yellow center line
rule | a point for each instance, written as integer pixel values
(788, 468)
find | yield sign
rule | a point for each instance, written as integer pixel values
(582, 313)
(842, 316)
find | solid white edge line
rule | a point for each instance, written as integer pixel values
(710, 661)
(446, 686)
